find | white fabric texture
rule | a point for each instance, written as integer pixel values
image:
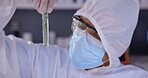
(27, 60)
(7, 8)
(22, 59)
(115, 21)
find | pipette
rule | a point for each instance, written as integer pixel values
(45, 28)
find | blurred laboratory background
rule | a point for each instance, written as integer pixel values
(27, 24)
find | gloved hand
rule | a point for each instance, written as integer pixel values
(43, 6)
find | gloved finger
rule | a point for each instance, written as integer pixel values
(50, 6)
(36, 4)
(43, 6)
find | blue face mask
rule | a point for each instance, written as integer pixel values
(85, 51)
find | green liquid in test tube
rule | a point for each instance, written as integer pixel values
(45, 24)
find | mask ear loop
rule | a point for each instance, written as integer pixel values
(99, 66)
(105, 61)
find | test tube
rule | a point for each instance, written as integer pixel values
(45, 28)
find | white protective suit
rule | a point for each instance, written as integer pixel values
(115, 22)
(21, 59)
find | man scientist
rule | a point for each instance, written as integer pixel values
(102, 31)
